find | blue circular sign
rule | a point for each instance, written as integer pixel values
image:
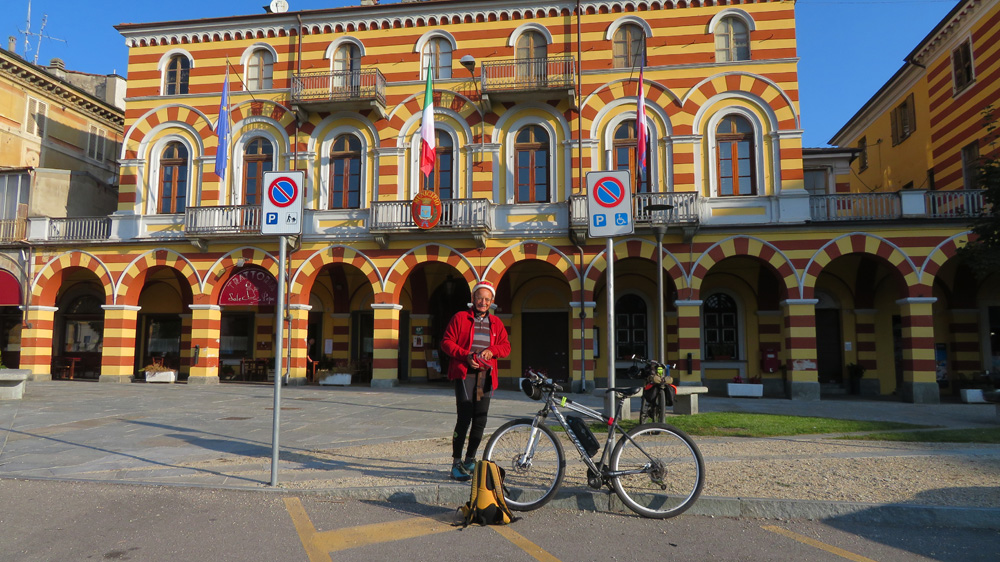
(609, 192)
(282, 192)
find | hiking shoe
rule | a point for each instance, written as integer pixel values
(470, 466)
(459, 473)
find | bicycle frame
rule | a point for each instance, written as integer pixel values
(553, 403)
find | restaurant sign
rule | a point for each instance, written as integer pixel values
(250, 286)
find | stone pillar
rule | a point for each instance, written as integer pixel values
(688, 342)
(186, 351)
(582, 345)
(206, 322)
(118, 356)
(867, 353)
(385, 363)
(36, 341)
(965, 353)
(802, 381)
(919, 372)
(298, 334)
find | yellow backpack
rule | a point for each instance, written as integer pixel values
(486, 505)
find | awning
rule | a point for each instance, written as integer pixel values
(10, 290)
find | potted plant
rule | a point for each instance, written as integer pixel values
(157, 372)
(854, 374)
(338, 374)
(750, 388)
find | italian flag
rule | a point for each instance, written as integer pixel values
(640, 119)
(427, 153)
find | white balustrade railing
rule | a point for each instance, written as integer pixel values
(855, 207)
(456, 214)
(79, 228)
(239, 219)
(954, 204)
(13, 230)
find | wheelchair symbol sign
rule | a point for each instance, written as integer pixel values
(621, 219)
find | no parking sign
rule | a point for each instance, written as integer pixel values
(282, 203)
(609, 204)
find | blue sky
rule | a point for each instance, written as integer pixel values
(847, 48)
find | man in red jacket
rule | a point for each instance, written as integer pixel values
(474, 340)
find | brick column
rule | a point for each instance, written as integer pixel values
(866, 353)
(36, 341)
(206, 323)
(582, 362)
(298, 332)
(688, 342)
(802, 380)
(385, 347)
(186, 351)
(118, 356)
(919, 372)
(964, 350)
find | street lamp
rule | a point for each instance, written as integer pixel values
(469, 62)
(660, 230)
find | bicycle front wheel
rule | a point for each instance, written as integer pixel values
(666, 471)
(533, 460)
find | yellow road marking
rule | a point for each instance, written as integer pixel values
(305, 529)
(524, 544)
(319, 545)
(817, 544)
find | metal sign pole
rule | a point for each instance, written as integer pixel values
(609, 398)
(280, 341)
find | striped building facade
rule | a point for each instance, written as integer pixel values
(761, 254)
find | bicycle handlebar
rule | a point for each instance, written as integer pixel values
(538, 380)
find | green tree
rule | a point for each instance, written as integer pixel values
(982, 252)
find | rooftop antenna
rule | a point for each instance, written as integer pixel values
(41, 35)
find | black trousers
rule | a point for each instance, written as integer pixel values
(471, 413)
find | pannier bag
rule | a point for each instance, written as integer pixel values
(486, 505)
(583, 434)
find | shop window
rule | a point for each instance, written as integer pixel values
(235, 335)
(721, 321)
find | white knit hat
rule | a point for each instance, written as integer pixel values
(485, 285)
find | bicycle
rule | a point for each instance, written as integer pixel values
(659, 390)
(655, 468)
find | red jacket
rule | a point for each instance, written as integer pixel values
(457, 344)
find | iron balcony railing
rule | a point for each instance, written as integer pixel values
(13, 230)
(685, 209)
(79, 228)
(223, 219)
(954, 204)
(340, 85)
(456, 214)
(855, 207)
(520, 75)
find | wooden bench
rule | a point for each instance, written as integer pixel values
(686, 399)
(12, 383)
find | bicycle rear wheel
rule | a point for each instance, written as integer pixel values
(669, 470)
(533, 460)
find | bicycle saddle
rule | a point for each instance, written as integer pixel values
(626, 390)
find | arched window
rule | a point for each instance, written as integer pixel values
(260, 70)
(736, 157)
(346, 67)
(258, 157)
(732, 40)
(441, 180)
(630, 327)
(173, 178)
(437, 53)
(531, 159)
(176, 80)
(721, 322)
(345, 173)
(531, 53)
(626, 146)
(629, 46)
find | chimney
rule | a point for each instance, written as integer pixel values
(11, 43)
(58, 68)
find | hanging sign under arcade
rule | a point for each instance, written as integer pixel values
(281, 206)
(609, 204)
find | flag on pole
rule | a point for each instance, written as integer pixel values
(640, 119)
(222, 131)
(427, 153)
